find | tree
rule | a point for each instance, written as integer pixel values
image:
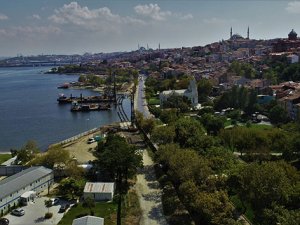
(278, 115)
(27, 152)
(169, 115)
(71, 186)
(89, 203)
(186, 129)
(179, 102)
(118, 161)
(54, 155)
(163, 134)
(212, 123)
(204, 89)
(148, 125)
(48, 204)
(270, 182)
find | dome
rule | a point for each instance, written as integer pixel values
(236, 37)
(292, 35)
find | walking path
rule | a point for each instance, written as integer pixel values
(149, 193)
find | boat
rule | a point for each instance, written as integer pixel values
(76, 107)
(62, 99)
(64, 86)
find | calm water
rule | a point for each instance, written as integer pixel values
(29, 110)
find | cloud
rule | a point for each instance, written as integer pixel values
(36, 16)
(92, 19)
(185, 17)
(29, 31)
(153, 11)
(3, 17)
(293, 7)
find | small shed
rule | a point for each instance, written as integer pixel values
(88, 220)
(27, 197)
(99, 191)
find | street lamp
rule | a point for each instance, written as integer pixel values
(87, 124)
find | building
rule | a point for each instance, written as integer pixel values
(191, 93)
(284, 45)
(88, 220)
(32, 180)
(99, 191)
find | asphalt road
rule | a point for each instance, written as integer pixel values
(140, 101)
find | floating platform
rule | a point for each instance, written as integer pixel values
(76, 107)
(62, 99)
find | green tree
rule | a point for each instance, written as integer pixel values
(118, 161)
(89, 203)
(186, 129)
(27, 152)
(71, 186)
(278, 115)
(204, 89)
(212, 124)
(48, 204)
(54, 155)
(270, 182)
(163, 134)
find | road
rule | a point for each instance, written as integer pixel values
(147, 187)
(140, 103)
(149, 193)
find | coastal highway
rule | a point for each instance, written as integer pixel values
(140, 101)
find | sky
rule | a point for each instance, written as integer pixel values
(34, 27)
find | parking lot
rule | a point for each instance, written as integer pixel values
(35, 212)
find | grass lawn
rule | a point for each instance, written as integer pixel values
(4, 157)
(261, 126)
(107, 211)
(154, 101)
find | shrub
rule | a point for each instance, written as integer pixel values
(82, 215)
(48, 215)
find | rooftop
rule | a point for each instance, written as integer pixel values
(99, 187)
(22, 179)
(88, 220)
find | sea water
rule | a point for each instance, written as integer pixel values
(29, 109)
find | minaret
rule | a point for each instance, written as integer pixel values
(159, 46)
(248, 33)
(230, 32)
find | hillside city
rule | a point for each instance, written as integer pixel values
(213, 138)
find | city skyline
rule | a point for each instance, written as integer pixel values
(75, 27)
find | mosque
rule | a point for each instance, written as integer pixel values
(191, 93)
(234, 37)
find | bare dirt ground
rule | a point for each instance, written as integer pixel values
(149, 194)
(81, 150)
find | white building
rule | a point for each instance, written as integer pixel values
(88, 220)
(99, 191)
(25, 183)
(191, 93)
(293, 58)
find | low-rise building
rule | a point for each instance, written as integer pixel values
(33, 179)
(99, 191)
(88, 220)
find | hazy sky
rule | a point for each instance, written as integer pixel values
(58, 26)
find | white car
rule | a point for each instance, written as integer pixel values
(18, 212)
(54, 201)
(91, 140)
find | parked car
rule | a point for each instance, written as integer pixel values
(91, 140)
(63, 208)
(18, 212)
(4, 221)
(54, 201)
